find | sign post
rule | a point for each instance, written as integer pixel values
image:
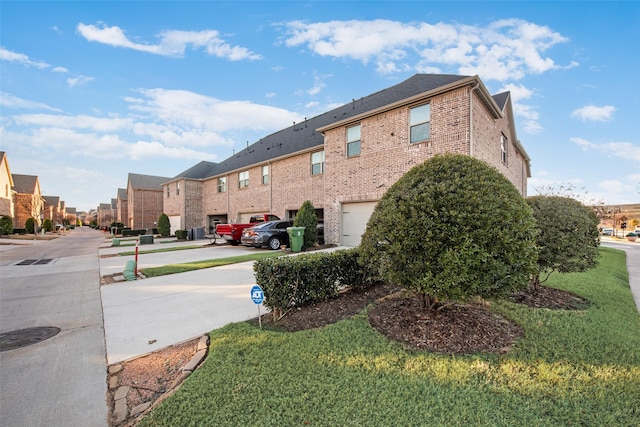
(257, 295)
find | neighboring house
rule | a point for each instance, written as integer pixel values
(183, 199)
(144, 199)
(105, 214)
(71, 216)
(122, 206)
(28, 201)
(6, 187)
(344, 160)
(52, 209)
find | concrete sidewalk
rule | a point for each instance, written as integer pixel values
(633, 262)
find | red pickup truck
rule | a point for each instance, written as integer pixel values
(233, 232)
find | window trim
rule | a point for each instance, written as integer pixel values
(243, 183)
(222, 184)
(354, 143)
(265, 177)
(320, 163)
(178, 188)
(504, 149)
(422, 123)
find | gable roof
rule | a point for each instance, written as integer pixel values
(25, 184)
(501, 99)
(306, 136)
(146, 182)
(4, 162)
(52, 200)
(122, 194)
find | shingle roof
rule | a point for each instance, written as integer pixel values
(24, 184)
(51, 200)
(122, 193)
(501, 99)
(304, 136)
(147, 182)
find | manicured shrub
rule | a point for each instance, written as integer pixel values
(450, 229)
(6, 224)
(47, 225)
(181, 234)
(29, 225)
(300, 280)
(306, 217)
(164, 226)
(568, 236)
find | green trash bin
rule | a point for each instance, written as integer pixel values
(115, 242)
(296, 238)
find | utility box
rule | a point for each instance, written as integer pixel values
(115, 242)
(146, 239)
(296, 238)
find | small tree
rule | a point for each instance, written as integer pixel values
(47, 225)
(306, 217)
(568, 237)
(164, 225)
(30, 225)
(6, 225)
(449, 229)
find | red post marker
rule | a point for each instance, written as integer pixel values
(135, 270)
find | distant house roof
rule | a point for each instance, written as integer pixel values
(305, 135)
(24, 184)
(122, 193)
(501, 99)
(104, 206)
(114, 203)
(52, 200)
(147, 182)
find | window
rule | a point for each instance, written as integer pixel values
(177, 188)
(353, 141)
(222, 184)
(168, 191)
(420, 123)
(503, 149)
(243, 179)
(317, 163)
(265, 174)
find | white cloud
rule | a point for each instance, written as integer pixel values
(171, 42)
(625, 150)
(79, 80)
(504, 50)
(9, 101)
(60, 70)
(19, 58)
(593, 113)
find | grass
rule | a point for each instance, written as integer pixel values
(208, 263)
(570, 368)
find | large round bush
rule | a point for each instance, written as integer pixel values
(452, 228)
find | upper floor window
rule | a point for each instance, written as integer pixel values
(353, 141)
(243, 179)
(265, 174)
(420, 123)
(222, 184)
(177, 188)
(317, 163)
(503, 149)
(168, 191)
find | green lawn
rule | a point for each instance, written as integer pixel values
(207, 263)
(570, 368)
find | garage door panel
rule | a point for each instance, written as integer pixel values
(354, 221)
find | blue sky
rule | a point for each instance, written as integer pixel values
(90, 91)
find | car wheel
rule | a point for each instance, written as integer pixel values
(274, 243)
(234, 242)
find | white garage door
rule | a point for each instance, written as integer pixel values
(174, 223)
(354, 221)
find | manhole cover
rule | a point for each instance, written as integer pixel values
(35, 261)
(24, 337)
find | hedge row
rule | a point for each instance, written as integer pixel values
(300, 280)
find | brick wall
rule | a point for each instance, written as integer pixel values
(145, 207)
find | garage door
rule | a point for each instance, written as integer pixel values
(174, 223)
(354, 221)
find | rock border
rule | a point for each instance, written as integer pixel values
(121, 416)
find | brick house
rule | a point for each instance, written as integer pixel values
(122, 206)
(53, 210)
(144, 200)
(28, 201)
(6, 187)
(344, 160)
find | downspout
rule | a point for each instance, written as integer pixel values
(270, 187)
(475, 86)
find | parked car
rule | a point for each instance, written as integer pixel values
(232, 233)
(607, 231)
(272, 234)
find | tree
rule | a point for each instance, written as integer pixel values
(30, 225)
(164, 226)
(452, 228)
(568, 237)
(306, 217)
(47, 225)
(6, 225)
